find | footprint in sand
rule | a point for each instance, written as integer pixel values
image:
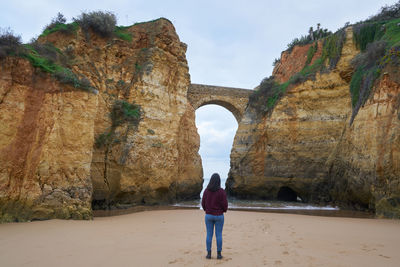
(224, 259)
(175, 261)
(278, 262)
(285, 253)
(367, 249)
(386, 257)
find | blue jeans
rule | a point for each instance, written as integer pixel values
(218, 222)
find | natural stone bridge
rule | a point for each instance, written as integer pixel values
(233, 99)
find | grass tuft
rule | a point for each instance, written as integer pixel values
(69, 28)
(50, 59)
(121, 33)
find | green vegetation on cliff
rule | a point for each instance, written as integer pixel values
(312, 36)
(52, 60)
(69, 28)
(58, 24)
(264, 99)
(121, 112)
(379, 42)
(121, 33)
(45, 57)
(102, 23)
(99, 22)
(311, 52)
(378, 39)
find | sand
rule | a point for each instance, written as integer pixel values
(177, 238)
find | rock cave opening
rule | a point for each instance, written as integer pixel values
(217, 127)
(286, 193)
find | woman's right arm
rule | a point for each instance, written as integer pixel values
(203, 201)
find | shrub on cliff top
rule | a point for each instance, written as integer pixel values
(102, 23)
(318, 34)
(387, 13)
(276, 62)
(58, 24)
(59, 19)
(373, 53)
(10, 44)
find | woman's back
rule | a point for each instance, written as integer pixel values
(214, 203)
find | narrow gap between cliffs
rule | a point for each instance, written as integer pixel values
(217, 128)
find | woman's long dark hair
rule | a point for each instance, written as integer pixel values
(215, 183)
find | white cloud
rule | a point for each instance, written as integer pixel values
(217, 128)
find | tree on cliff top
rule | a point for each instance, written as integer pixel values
(312, 36)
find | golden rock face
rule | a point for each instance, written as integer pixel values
(365, 167)
(307, 142)
(50, 166)
(46, 146)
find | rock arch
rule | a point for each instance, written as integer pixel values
(233, 99)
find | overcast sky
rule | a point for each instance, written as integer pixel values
(230, 42)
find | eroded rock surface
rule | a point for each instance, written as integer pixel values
(364, 168)
(308, 145)
(46, 140)
(53, 163)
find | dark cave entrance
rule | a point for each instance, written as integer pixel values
(287, 194)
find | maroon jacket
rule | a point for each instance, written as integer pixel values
(214, 203)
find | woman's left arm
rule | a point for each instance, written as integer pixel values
(224, 201)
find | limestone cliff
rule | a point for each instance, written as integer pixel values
(59, 146)
(307, 148)
(46, 139)
(364, 168)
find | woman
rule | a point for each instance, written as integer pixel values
(214, 204)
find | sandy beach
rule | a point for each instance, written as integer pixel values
(177, 238)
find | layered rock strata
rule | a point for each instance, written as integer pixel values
(46, 140)
(307, 148)
(53, 163)
(364, 168)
